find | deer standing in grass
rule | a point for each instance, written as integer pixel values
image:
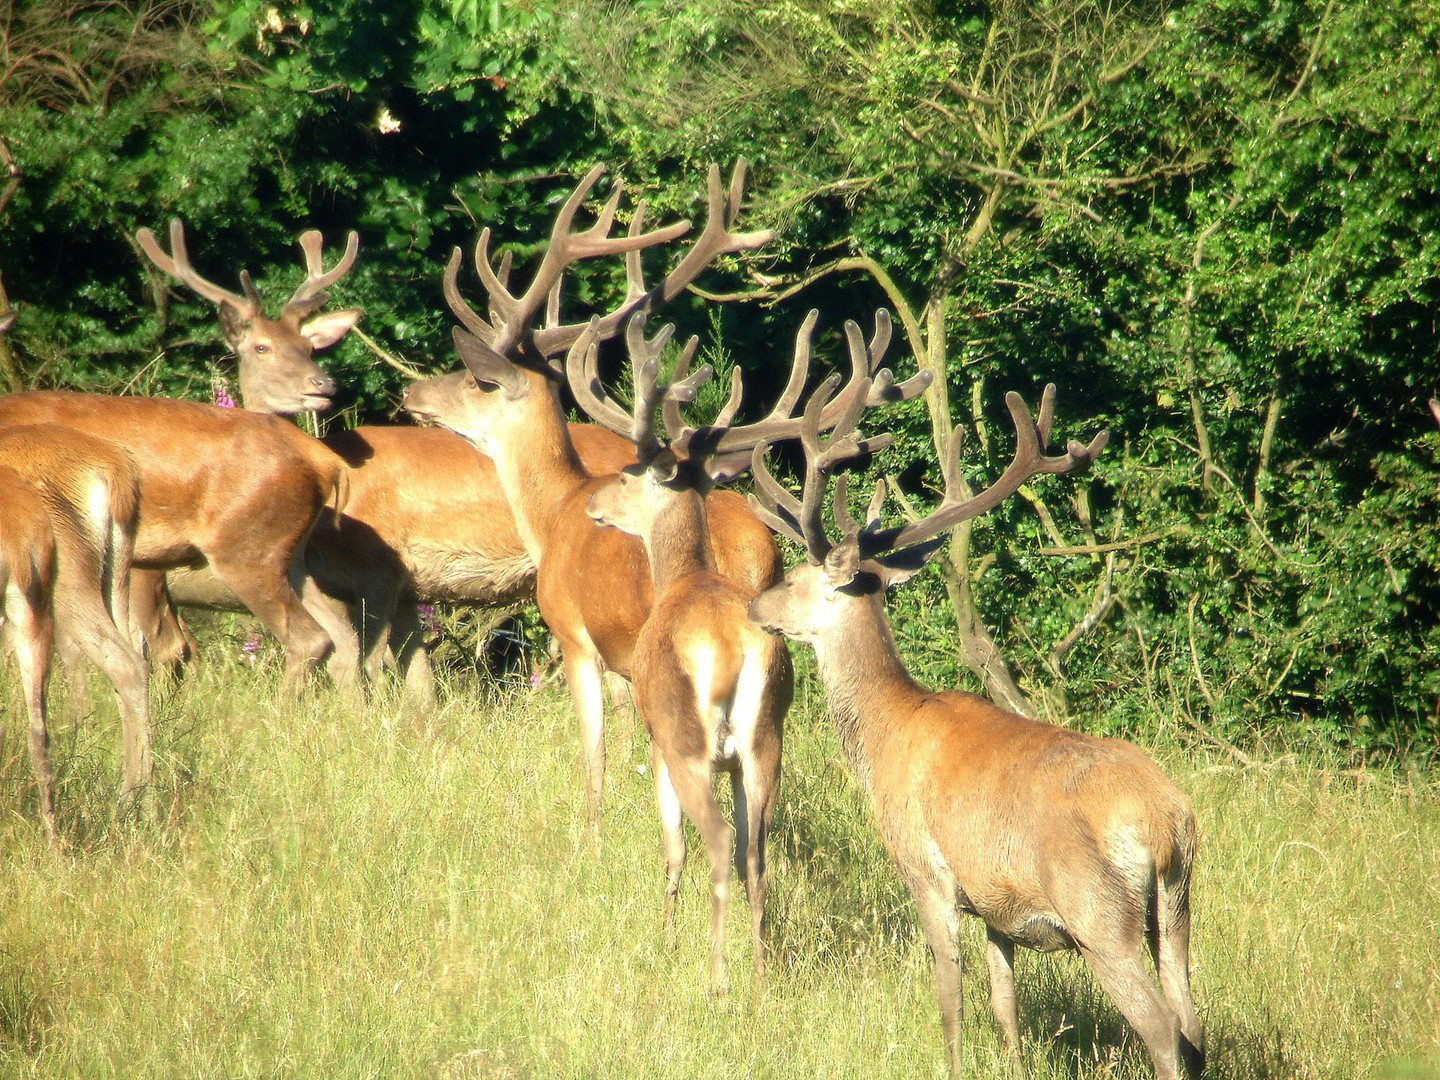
(68, 506)
(711, 687)
(593, 584)
(1056, 839)
(278, 377)
(67, 529)
(424, 520)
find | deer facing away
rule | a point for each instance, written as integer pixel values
(67, 528)
(1056, 839)
(711, 687)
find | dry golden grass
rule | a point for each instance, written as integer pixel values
(328, 893)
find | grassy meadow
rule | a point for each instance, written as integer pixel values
(336, 892)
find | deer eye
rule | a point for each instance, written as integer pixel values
(262, 348)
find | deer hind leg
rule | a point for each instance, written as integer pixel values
(1119, 965)
(692, 782)
(120, 556)
(1000, 956)
(84, 615)
(33, 635)
(1172, 960)
(756, 787)
(938, 920)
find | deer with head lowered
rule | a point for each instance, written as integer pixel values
(237, 490)
(1056, 839)
(593, 584)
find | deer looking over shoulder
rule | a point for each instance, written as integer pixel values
(507, 404)
(1057, 840)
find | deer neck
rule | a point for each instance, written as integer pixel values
(866, 684)
(538, 469)
(678, 540)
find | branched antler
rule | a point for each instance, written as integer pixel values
(868, 385)
(508, 331)
(801, 519)
(306, 300)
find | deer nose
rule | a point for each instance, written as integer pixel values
(323, 384)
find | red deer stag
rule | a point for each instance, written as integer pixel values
(507, 403)
(1056, 839)
(711, 687)
(68, 506)
(276, 376)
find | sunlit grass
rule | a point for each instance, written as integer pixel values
(334, 892)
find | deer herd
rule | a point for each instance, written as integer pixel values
(114, 509)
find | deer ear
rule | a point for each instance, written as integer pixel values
(842, 564)
(663, 467)
(1435, 408)
(232, 323)
(727, 467)
(488, 366)
(898, 567)
(325, 330)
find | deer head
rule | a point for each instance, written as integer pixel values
(869, 558)
(277, 374)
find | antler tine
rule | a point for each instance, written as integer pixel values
(177, 265)
(458, 307)
(773, 505)
(317, 279)
(645, 370)
(582, 370)
(670, 410)
(715, 239)
(840, 506)
(879, 385)
(1029, 460)
(650, 393)
(512, 315)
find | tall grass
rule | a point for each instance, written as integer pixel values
(337, 892)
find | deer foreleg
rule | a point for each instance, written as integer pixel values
(587, 691)
(1000, 955)
(938, 920)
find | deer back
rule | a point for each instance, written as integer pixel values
(209, 477)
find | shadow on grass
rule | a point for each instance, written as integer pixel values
(1067, 1018)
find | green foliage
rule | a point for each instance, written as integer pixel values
(1192, 216)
